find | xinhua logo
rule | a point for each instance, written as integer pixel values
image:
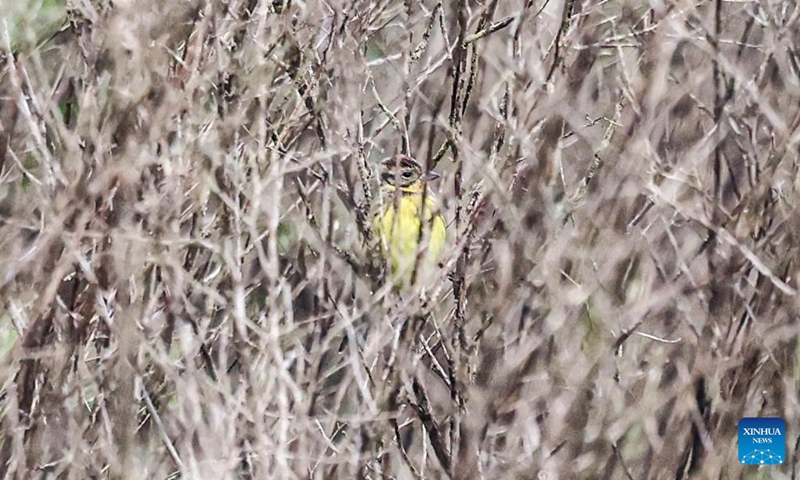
(762, 441)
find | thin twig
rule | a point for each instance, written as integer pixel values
(494, 27)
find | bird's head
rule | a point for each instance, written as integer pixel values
(404, 173)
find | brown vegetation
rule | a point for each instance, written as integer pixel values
(190, 287)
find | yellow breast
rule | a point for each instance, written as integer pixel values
(398, 227)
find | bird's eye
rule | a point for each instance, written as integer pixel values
(408, 174)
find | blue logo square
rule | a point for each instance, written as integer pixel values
(762, 441)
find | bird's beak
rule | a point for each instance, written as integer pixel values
(431, 175)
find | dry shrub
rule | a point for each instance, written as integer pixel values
(189, 281)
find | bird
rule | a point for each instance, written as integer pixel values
(406, 205)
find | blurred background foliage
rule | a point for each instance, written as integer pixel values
(27, 23)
